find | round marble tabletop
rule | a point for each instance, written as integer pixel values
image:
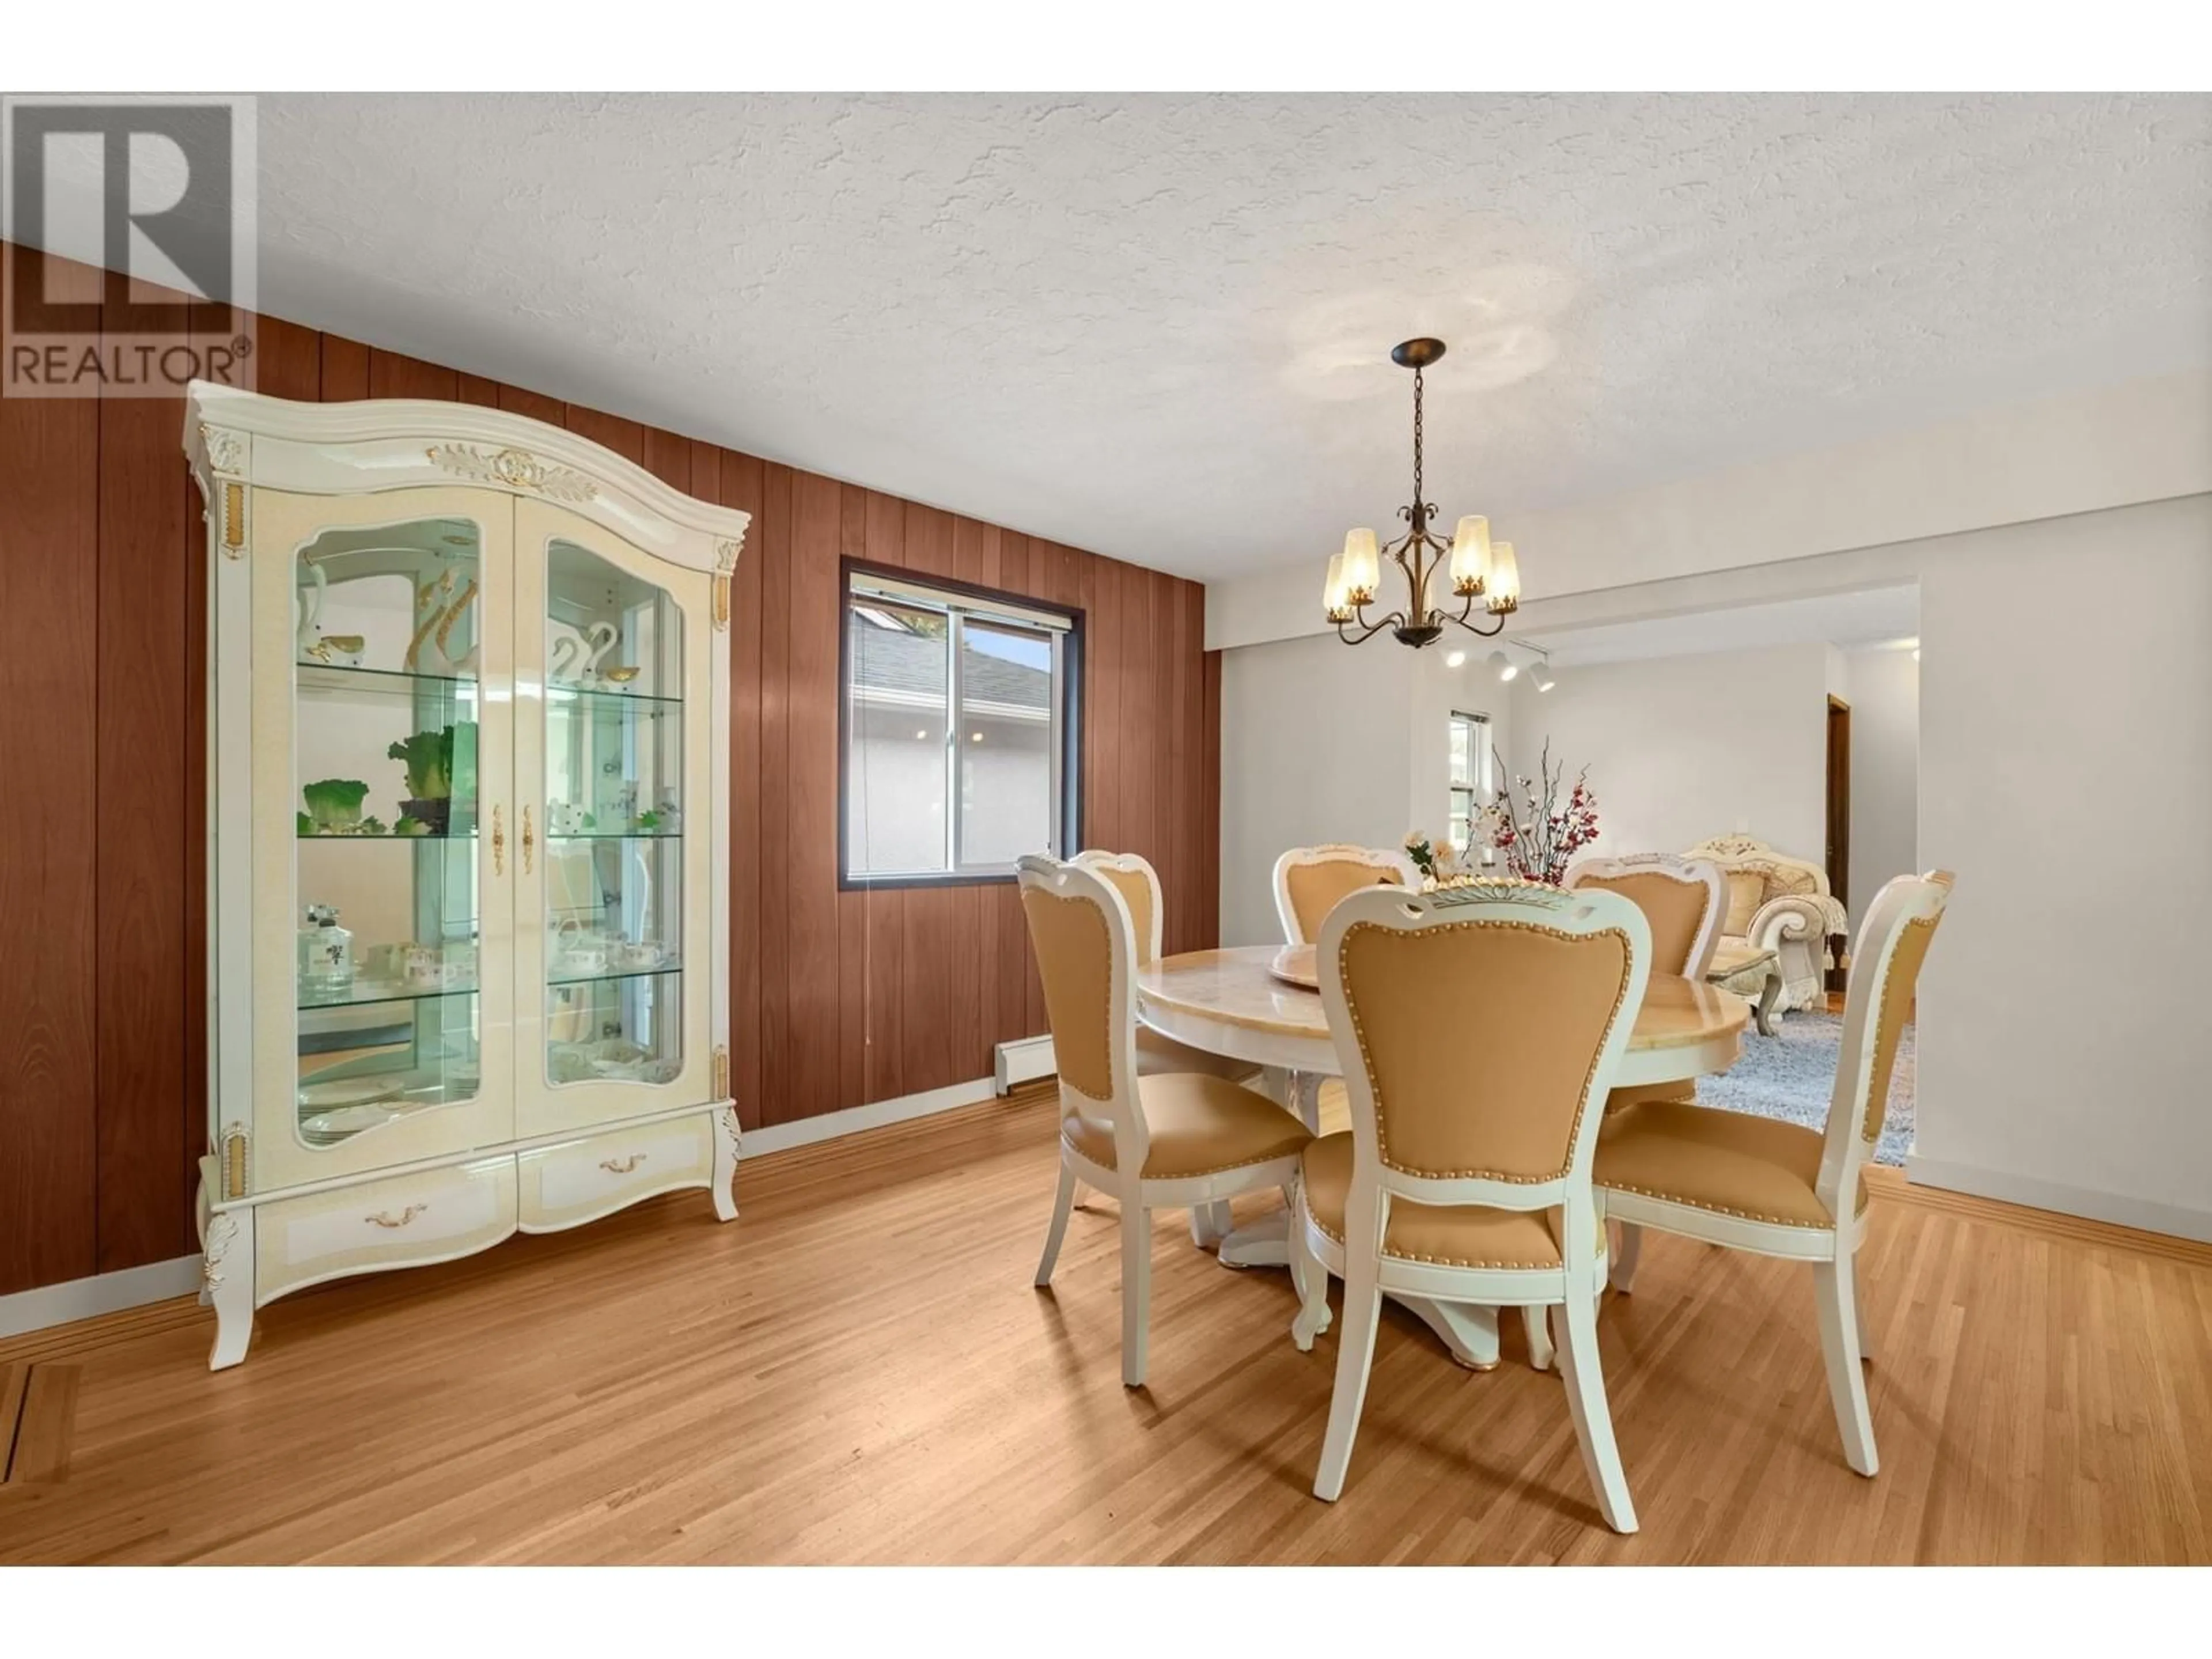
(1237, 1002)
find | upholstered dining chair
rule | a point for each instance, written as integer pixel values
(1685, 900)
(1169, 1140)
(1309, 880)
(1132, 877)
(1781, 1189)
(1478, 1029)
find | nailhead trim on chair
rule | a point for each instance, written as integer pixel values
(1382, 1141)
(1105, 1014)
(1871, 1126)
(1183, 1174)
(1721, 1209)
(1447, 1261)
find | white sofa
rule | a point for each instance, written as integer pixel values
(1781, 904)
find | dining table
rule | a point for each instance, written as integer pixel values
(1262, 1004)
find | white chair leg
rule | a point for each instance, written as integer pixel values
(1858, 1300)
(1355, 1351)
(1585, 1378)
(1310, 1279)
(1535, 1322)
(1061, 1206)
(1627, 1247)
(1136, 1288)
(1839, 1347)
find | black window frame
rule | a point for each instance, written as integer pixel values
(1071, 722)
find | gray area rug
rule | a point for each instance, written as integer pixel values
(1789, 1076)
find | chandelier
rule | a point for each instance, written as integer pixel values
(1477, 568)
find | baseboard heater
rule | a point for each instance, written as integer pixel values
(1024, 1061)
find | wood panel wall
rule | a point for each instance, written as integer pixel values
(841, 997)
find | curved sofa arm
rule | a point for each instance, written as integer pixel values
(1795, 916)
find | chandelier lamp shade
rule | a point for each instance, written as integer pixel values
(1476, 569)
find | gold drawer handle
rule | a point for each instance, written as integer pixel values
(399, 1220)
(622, 1166)
(498, 844)
(529, 840)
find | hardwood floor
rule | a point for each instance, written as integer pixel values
(858, 1370)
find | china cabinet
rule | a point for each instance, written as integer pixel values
(468, 785)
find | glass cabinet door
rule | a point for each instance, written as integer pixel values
(613, 668)
(382, 782)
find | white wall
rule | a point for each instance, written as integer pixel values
(1883, 686)
(1323, 742)
(2060, 1051)
(1315, 746)
(1682, 748)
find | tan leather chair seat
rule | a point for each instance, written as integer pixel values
(1620, 1099)
(1462, 1235)
(1199, 1124)
(1730, 1162)
(1158, 1053)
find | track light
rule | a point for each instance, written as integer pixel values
(1540, 676)
(1506, 667)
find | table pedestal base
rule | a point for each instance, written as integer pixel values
(1469, 1333)
(1266, 1242)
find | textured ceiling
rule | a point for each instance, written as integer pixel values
(1157, 327)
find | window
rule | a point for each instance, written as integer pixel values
(959, 730)
(1471, 781)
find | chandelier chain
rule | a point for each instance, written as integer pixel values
(1418, 496)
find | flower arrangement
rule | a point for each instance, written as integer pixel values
(1434, 865)
(1540, 833)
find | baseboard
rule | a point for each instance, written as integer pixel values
(2084, 1201)
(827, 1126)
(133, 1287)
(103, 1293)
(1023, 1060)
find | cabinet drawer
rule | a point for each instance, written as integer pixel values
(404, 1221)
(579, 1181)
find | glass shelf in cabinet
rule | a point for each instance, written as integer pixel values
(387, 836)
(334, 1106)
(608, 976)
(329, 678)
(588, 697)
(620, 835)
(364, 993)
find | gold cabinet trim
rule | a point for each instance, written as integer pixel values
(233, 519)
(233, 1162)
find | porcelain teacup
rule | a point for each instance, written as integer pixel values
(585, 956)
